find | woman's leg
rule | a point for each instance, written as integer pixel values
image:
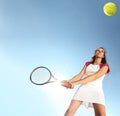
(99, 109)
(74, 105)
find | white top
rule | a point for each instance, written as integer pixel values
(91, 92)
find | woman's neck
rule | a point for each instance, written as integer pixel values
(97, 61)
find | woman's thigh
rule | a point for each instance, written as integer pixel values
(74, 105)
(99, 109)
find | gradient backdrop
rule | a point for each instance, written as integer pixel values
(61, 35)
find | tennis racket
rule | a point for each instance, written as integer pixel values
(41, 76)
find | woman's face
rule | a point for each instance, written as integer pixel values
(99, 53)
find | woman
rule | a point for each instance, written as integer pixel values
(90, 93)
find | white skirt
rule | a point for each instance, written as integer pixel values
(89, 94)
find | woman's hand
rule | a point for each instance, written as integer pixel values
(67, 84)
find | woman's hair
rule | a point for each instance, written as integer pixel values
(104, 61)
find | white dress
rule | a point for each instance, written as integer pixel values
(91, 92)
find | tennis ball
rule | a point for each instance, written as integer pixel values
(110, 8)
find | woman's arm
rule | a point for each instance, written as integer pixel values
(76, 78)
(79, 75)
(92, 77)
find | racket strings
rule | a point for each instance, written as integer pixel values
(40, 76)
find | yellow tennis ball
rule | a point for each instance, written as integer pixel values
(110, 8)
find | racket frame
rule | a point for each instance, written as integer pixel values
(48, 81)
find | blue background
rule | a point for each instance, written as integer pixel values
(61, 35)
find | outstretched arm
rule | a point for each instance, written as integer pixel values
(92, 77)
(79, 75)
(68, 83)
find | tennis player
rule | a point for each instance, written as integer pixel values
(90, 93)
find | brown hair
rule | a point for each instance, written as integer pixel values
(104, 61)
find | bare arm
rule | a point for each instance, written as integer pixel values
(79, 75)
(92, 77)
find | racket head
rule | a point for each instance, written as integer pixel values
(40, 75)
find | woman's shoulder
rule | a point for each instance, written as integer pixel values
(105, 64)
(101, 65)
(88, 63)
